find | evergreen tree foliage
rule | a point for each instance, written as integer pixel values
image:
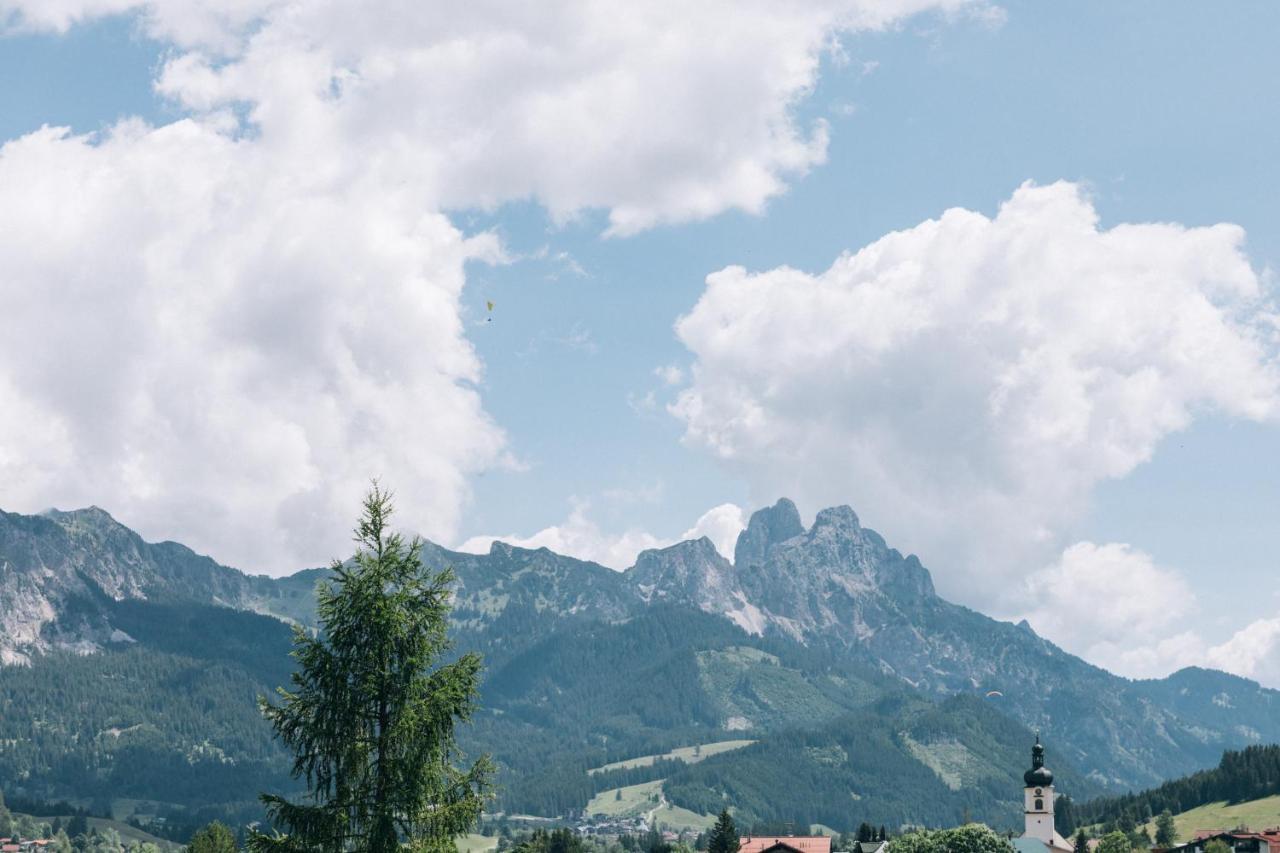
(372, 712)
(560, 840)
(1247, 774)
(1166, 831)
(214, 838)
(1081, 844)
(724, 836)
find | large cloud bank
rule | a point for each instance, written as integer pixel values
(222, 327)
(971, 380)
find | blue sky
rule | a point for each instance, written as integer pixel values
(1157, 112)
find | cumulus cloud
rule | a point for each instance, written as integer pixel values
(579, 536)
(1109, 595)
(968, 382)
(1253, 651)
(721, 524)
(212, 344)
(672, 112)
(1114, 606)
(220, 328)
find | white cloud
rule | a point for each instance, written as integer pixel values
(1253, 651)
(656, 111)
(1114, 606)
(670, 374)
(579, 536)
(966, 383)
(1109, 594)
(220, 328)
(721, 524)
(223, 349)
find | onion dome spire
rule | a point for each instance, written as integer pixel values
(1038, 776)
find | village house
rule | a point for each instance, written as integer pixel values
(785, 844)
(1240, 841)
(29, 845)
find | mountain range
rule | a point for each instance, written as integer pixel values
(131, 662)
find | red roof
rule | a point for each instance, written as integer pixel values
(1270, 836)
(799, 843)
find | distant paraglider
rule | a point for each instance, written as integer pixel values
(991, 693)
(489, 304)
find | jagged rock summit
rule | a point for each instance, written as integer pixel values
(766, 528)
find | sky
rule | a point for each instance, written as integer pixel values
(997, 275)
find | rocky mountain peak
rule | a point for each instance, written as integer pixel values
(94, 516)
(766, 528)
(692, 571)
(840, 520)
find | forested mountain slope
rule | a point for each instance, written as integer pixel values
(805, 628)
(1240, 776)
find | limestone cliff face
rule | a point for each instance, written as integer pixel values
(57, 569)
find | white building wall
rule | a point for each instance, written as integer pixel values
(1039, 821)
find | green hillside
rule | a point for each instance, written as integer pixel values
(129, 835)
(647, 800)
(1219, 797)
(1258, 814)
(687, 754)
(628, 801)
(904, 760)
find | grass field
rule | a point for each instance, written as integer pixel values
(1255, 814)
(675, 818)
(687, 754)
(473, 843)
(126, 832)
(631, 801)
(646, 799)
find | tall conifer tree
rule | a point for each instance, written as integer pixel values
(724, 835)
(372, 710)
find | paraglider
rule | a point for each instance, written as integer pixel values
(991, 693)
(489, 304)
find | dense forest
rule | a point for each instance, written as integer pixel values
(903, 761)
(595, 693)
(1246, 774)
(167, 715)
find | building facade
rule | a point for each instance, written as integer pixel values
(1039, 834)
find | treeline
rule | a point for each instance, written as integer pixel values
(1247, 774)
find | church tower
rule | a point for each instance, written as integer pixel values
(1038, 798)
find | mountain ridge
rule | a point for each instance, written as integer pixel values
(835, 586)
